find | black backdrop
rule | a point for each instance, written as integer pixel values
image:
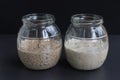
(11, 12)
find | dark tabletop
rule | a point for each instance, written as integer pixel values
(11, 67)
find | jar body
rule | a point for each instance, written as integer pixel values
(86, 45)
(39, 43)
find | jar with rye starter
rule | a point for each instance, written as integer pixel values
(39, 41)
(86, 42)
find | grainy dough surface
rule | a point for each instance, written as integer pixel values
(39, 54)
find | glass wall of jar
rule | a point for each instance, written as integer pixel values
(86, 42)
(39, 41)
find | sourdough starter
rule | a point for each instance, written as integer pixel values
(39, 54)
(86, 54)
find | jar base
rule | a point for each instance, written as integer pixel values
(85, 69)
(36, 69)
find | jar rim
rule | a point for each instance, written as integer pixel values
(39, 17)
(86, 19)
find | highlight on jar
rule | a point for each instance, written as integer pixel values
(86, 42)
(39, 41)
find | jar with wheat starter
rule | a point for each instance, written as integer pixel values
(86, 42)
(39, 41)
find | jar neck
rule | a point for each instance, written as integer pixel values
(38, 19)
(86, 19)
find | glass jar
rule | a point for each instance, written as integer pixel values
(39, 41)
(86, 42)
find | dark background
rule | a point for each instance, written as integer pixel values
(11, 12)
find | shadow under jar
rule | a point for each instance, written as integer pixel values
(86, 42)
(39, 41)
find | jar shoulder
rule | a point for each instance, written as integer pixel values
(86, 31)
(39, 31)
